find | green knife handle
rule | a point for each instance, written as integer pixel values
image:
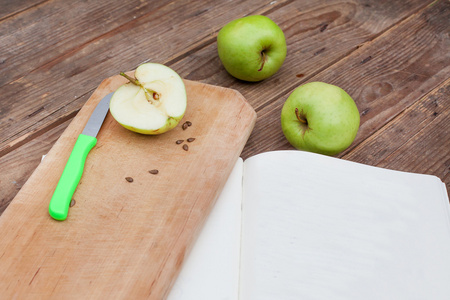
(60, 202)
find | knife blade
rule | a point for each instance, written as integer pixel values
(71, 175)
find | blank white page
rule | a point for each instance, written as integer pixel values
(211, 270)
(317, 227)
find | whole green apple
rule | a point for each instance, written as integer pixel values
(252, 48)
(320, 117)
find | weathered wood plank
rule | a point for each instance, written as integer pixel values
(18, 165)
(356, 29)
(318, 33)
(427, 152)
(29, 146)
(349, 31)
(42, 33)
(10, 8)
(60, 86)
(384, 77)
(417, 140)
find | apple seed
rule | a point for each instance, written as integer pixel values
(129, 179)
(179, 142)
(154, 171)
(149, 94)
(185, 147)
(72, 203)
(190, 140)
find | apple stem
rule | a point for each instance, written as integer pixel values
(150, 94)
(131, 79)
(263, 60)
(300, 117)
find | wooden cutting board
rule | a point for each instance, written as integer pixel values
(123, 239)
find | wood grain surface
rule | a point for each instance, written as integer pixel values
(387, 54)
(129, 230)
(392, 57)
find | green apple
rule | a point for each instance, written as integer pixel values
(320, 117)
(252, 48)
(153, 102)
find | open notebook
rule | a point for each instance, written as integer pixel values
(298, 225)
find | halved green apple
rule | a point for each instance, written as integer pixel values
(153, 102)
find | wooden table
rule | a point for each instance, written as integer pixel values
(391, 56)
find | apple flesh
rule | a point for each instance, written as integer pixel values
(321, 118)
(153, 102)
(252, 48)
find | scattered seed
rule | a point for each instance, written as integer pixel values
(189, 123)
(129, 179)
(72, 203)
(179, 142)
(366, 59)
(365, 111)
(153, 171)
(190, 140)
(319, 51)
(185, 147)
(324, 26)
(184, 126)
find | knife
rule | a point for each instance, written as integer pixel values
(71, 175)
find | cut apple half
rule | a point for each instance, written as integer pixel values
(153, 102)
